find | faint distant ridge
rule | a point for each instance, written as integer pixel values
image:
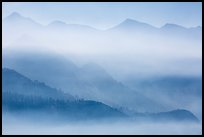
(126, 24)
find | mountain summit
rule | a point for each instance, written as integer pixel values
(14, 15)
(131, 25)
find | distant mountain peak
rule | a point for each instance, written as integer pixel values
(15, 17)
(171, 25)
(133, 24)
(129, 21)
(15, 14)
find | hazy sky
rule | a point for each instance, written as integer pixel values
(103, 15)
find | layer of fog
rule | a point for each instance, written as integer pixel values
(13, 125)
(121, 55)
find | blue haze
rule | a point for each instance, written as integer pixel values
(109, 68)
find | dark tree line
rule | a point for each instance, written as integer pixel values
(75, 108)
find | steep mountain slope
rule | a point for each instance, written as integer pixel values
(14, 82)
(20, 94)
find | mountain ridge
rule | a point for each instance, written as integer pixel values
(126, 21)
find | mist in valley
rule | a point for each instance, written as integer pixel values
(20, 126)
